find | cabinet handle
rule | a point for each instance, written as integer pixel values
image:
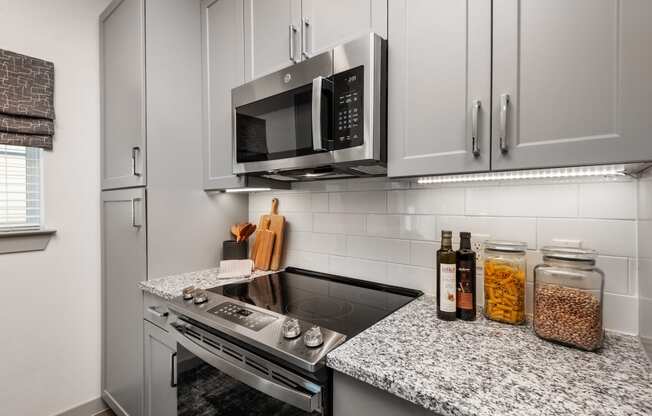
(293, 31)
(504, 108)
(475, 141)
(135, 151)
(134, 222)
(304, 38)
(154, 311)
(173, 372)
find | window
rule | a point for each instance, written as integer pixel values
(20, 188)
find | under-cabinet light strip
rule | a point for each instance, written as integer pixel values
(238, 190)
(560, 173)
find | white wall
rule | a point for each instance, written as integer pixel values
(388, 231)
(50, 300)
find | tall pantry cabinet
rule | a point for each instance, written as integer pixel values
(517, 84)
(156, 218)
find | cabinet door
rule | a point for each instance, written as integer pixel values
(223, 68)
(272, 35)
(122, 67)
(124, 264)
(439, 86)
(579, 80)
(160, 372)
(328, 23)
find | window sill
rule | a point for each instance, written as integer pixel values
(24, 240)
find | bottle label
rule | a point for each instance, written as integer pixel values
(447, 292)
(464, 289)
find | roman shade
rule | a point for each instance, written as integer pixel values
(26, 100)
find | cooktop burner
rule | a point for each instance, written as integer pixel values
(344, 305)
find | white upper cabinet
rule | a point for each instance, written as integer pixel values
(223, 69)
(439, 73)
(572, 82)
(122, 66)
(328, 23)
(272, 35)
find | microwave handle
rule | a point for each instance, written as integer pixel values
(317, 97)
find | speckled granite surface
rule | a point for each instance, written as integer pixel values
(171, 286)
(487, 368)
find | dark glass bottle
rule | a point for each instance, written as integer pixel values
(446, 278)
(465, 298)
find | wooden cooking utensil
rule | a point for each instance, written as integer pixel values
(277, 226)
(246, 231)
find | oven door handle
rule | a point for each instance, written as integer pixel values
(301, 400)
(318, 85)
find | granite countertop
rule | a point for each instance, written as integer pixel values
(487, 368)
(171, 286)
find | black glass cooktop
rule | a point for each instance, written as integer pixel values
(341, 304)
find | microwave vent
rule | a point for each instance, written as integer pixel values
(370, 169)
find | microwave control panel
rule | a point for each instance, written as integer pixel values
(348, 101)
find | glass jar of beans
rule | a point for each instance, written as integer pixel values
(504, 281)
(568, 298)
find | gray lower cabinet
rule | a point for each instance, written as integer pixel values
(570, 83)
(439, 73)
(122, 67)
(124, 264)
(353, 397)
(160, 368)
(222, 28)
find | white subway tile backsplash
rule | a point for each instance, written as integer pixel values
(448, 201)
(374, 248)
(339, 223)
(419, 278)
(317, 242)
(499, 228)
(423, 253)
(523, 201)
(608, 237)
(319, 202)
(374, 271)
(615, 200)
(364, 202)
(388, 231)
(413, 227)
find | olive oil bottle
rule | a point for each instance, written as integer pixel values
(465, 279)
(446, 278)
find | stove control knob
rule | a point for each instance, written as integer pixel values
(291, 328)
(188, 292)
(313, 337)
(200, 296)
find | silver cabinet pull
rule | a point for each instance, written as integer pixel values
(135, 151)
(293, 31)
(173, 372)
(504, 108)
(154, 311)
(475, 141)
(304, 38)
(135, 219)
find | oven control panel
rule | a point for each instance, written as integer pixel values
(348, 102)
(242, 316)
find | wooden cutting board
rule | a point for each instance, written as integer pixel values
(274, 223)
(265, 239)
(277, 226)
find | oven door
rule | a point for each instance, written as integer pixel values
(217, 378)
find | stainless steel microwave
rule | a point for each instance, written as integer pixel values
(325, 117)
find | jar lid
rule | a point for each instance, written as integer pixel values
(508, 246)
(569, 254)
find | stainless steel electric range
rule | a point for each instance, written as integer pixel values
(259, 347)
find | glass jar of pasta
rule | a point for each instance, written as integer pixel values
(504, 281)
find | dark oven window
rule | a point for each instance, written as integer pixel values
(203, 390)
(275, 128)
